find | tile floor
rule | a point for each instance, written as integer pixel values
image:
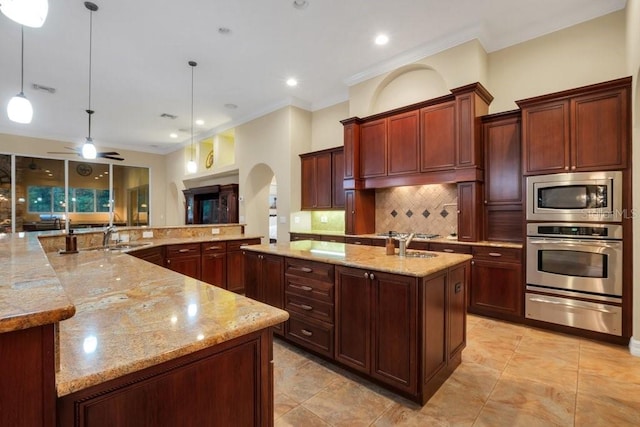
(511, 375)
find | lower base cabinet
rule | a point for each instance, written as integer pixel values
(264, 278)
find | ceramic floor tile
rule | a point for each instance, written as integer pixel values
(300, 417)
(348, 404)
(544, 369)
(283, 403)
(605, 401)
(609, 361)
(547, 344)
(516, 402)
(399, 415)
(303, 381)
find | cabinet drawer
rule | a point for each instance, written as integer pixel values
(498, 254)
(358, 240)
(450, 248)
(315, 336)
(183, 250)
(213, 247)
(234, 245)
(319, 291)
(337, 239)
(309, 269)
(309, 307)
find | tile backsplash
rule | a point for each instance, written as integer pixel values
(420, 209)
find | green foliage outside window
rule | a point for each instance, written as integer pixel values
(43, 199)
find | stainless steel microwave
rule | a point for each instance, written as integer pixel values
(579, 196)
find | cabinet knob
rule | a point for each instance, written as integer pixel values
(573, 167)
(458, 211)
(566, 168)
(485, 202)
(366, 275)
(168, 261)
(371, 276)
(473, 262)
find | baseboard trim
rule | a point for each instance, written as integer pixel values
(634, 347)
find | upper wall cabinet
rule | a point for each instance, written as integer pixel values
(583, 129)
(322, 175)
(430, 142)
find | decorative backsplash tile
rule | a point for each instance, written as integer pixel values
(397, 209)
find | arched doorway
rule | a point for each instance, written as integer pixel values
(258, 200)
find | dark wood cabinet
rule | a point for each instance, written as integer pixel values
(496, 283)
(154, 255)
(503, 185)
(582, 129)
(184, 259)
(359, 211)
(322, 175)
(452, 248)
(438, 137)
(403, 145)
(214, 263)
(213, 204)
(235, 264)
(264, 276)
(376, 328)
(373, 148)
(472, 102)
(469, 211)
(27, 368)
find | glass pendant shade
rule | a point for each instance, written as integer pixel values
(192, 167)
(30, 13)
(19, 109)
(89, 150)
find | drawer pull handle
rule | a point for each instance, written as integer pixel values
(306, 307)
(183, 250)
(495, 254)
(305, 332)
(357, 243)
(306, 288)
(448, 250)
(213, 248)
(304, 269)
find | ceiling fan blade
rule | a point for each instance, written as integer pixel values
(112, 157)
(109, 153)
(60, 152)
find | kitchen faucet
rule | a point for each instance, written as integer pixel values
(404, 244)
(107, 235)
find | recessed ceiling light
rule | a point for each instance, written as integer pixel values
(382, 39)
(231, 106)
(173, 135)
(224, 30)
(199, 122)
(292, 82)
(300, 4)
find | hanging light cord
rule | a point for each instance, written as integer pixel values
(22, 63)
(90, 111)
(193, 64)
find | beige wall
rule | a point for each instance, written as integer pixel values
(326, 129)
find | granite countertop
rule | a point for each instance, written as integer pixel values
(368, 257)
(129, 314)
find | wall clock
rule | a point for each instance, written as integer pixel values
(209, 162)
(84, 169)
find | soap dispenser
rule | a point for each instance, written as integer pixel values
(391, 247)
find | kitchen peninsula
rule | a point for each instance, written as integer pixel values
(399, 321)
(126, 342)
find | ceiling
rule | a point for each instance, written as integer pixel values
(141, 49)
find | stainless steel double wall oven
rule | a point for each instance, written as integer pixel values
(574, 250)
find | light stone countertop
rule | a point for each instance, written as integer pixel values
(129, 314)
(367, 257)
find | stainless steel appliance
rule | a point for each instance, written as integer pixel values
(574, 275)
(580, 196)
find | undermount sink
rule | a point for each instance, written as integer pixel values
(420, 254)
(120, 246)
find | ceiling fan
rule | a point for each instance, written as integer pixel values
(113, 155)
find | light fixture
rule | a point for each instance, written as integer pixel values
(192, 167)
(292, 82)
(19, 108)
(31, 13)
(88, 149)
(382, 39)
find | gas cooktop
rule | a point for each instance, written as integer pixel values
(416, 235)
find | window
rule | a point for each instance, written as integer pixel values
(44, 199)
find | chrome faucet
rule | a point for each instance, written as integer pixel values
(404, 244)
(107, 235)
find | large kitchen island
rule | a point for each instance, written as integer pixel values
(103, 338)
(399, 321)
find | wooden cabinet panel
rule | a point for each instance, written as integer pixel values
(469, 211)
(351, 134)
(434, 338)
(353, 319)
(357, 240)
(599, 137)
(449, 248)
(503, 173)
(545, 136)
(322, 174)
(323, 181)
(373, 148)
(332, 238)
(309, 307)
(264, 280)
(360, 211)
(337, 190)
(308, 188)
(235, 268)
(154, 255)
(184, 259)
(438, 137)
(402, 141)
(457, 295)
(214, 269)
(314, 335)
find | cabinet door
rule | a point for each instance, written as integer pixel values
(251, 264)
(353, 318)
(402, 142)
(496, 288)
(599, 137)
(235, 272)
(360, 211)
(272, 283)
(349, 211)
(214, 268)
(337, 190)
(438, 137)
(434, 338)
(308, 188)
(545, 137)
(153, 255)
(394, 341)
(469, 208)
(373, 148)
(323, 181)
(503, 173)
(457, 295)
(187, 265)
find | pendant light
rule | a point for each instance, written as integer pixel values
(19, 108)
(192, 167)
(31, 13)
(88, 149)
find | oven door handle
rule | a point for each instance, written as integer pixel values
(575, 305)
(595, 243)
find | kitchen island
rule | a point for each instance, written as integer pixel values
(399, 321)
(146, 345)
